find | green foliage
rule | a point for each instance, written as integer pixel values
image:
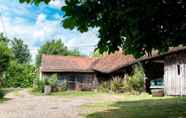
(19, 75)
(38, 85)
(117, 84)
(5, 56)
(138, 26)
(136, 81)
(20, 51)
(3, 38)
(63, 86)
(54, 47)
(104, 87)
(97, 53)
(16, 74)
(1, 94)
(52, 81)
(36, 2)
(132, 84)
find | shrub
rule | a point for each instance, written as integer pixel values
(52, 81)
(117, 84)
(38, 85)
(132, 84)
(104, 87)
(1, 94)
(63, 86)
(135, 82)
(19, 75)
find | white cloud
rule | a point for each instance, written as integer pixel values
(40, 18)
(57, 3)
(37, 32)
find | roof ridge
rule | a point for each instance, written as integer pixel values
(68, 56)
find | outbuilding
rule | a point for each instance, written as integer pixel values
(170, 67)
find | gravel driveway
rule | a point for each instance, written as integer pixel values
(29, 106)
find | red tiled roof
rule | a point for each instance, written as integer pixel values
(53, 63)
(106, 64)
(113, 62)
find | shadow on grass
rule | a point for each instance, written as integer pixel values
(9, 90)
(4, 100)
(159, 108)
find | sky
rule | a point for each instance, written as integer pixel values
(37, 24)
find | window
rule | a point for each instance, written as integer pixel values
(157, 82)
(178, 69)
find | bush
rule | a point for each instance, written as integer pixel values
(104, 87)
(19, 75)
(38, 85)
(52, 81)
(136, 81)
(132, 84)
(63, 86)
(1, 94)
(117, 84)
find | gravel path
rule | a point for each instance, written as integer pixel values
(29, 106)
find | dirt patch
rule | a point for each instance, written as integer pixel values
(24, 105)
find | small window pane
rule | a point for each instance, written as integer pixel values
(178, 69)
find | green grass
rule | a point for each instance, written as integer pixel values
(3, 100)
(68, 93)
(142, 106)
(76, 94)
(8, 90)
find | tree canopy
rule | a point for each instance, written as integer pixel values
(5, 56)
(54, 47)
(5, 53)
(20, 51)
(138, 26)
(4, 38)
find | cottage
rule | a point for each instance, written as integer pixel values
(169, 67)
(85, 73)
(77, 70)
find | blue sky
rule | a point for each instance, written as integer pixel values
(38, 24)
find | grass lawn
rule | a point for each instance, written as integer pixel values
(77, 94)
(68, 93)
(104, 105)
(1, 100)
(131, 106)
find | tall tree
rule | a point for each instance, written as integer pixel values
(5, 53)
(4, 38)
(5, 56)
(138, 26)
(54, 47)
(20, 51)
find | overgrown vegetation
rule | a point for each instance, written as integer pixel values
(15, 70)
(19, 75)
(38, 85)
(136, 81)
(133, 83)
(62, 86)
(1, 94)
